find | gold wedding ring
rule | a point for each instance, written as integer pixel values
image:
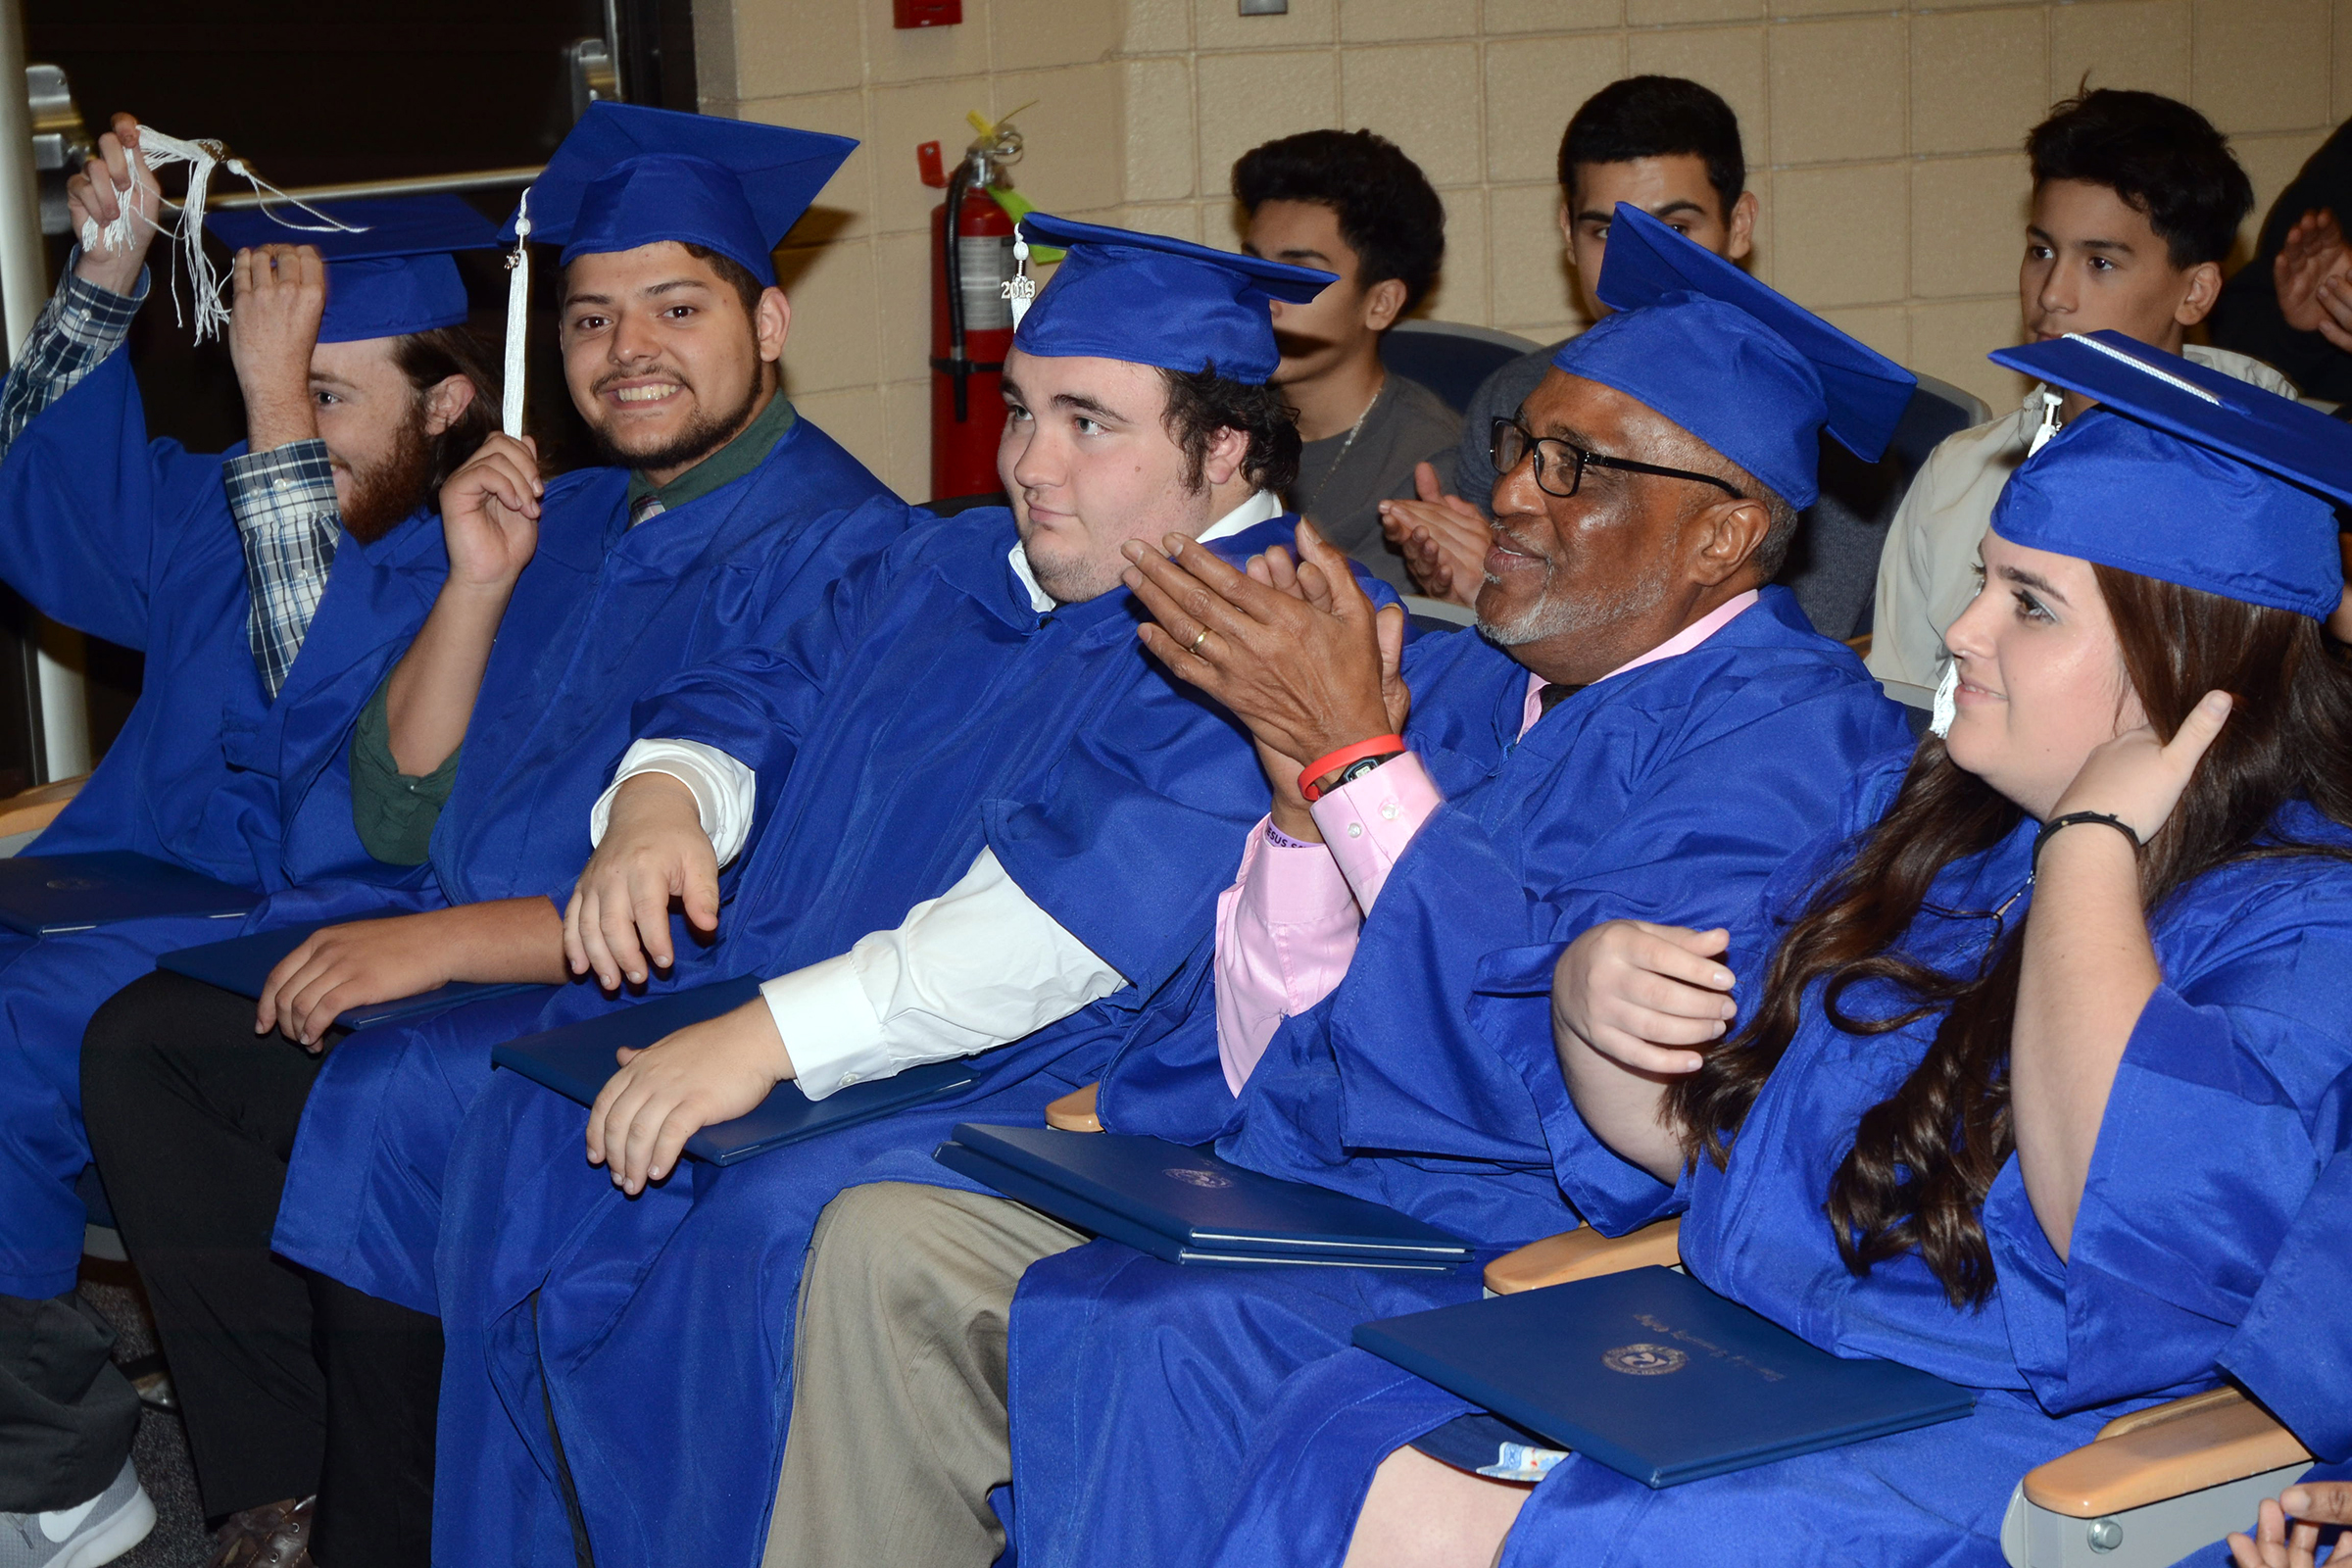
(1199, 640)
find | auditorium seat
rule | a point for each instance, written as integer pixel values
(26, 814)
(1449, 358)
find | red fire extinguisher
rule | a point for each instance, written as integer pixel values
(971, 317)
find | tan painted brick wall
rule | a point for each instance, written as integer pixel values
(1883, 140)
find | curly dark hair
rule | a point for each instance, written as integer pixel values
(427, 359)
(1657, 117)
(1201, 403)
(1924, 1159)
(2161, 157)
(1389, 213)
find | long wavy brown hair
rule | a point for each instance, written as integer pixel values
(1922, 1160)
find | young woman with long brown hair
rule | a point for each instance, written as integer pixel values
(2026, 1068)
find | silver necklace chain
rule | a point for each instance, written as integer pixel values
(1354, 430)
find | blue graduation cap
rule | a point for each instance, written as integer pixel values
(388, 265)
(1151, 300)
(2184, 474)
(629, 176)
(1749, 371)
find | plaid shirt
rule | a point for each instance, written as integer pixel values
(284, 503)
(284, 500)
(80, 325)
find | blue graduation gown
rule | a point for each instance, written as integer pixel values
(2231, 1095)
(2294, 1350)
(133, 541)
(603, 614)
(1425, 1080)
(927, 714)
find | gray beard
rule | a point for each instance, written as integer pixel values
(1556, 615)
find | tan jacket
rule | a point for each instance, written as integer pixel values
(1927, 569)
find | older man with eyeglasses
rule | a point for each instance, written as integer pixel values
(1642, 732)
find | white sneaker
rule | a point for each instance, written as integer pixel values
(96, 1532)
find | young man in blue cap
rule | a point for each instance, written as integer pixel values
(256, 581)
(966, 817)
(723, 519)
(1642, 731)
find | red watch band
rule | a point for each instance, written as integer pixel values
(1332, 761)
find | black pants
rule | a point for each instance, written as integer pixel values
(67, 1416)
(290, 1382)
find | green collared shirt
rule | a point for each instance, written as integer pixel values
(395, 813)
(729, 463)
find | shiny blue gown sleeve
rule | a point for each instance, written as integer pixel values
(1613, 1194)
(754, 702)
(91, 511)
(2230, 1098)
(2294, 1350)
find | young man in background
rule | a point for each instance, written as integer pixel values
(2136, 200)
(1351, 203)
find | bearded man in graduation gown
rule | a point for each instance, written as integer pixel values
(964, 815)
(300, 1333)
(1641, 731)
(256, 582)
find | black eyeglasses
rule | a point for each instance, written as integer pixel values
(1555, 457)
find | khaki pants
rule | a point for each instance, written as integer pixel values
(898, 1381)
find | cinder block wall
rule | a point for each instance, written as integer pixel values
(1883, 140)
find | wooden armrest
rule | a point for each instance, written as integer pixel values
(2164, 1451)
(36, 808)
(1074, 1113)
(1581, 1254)
(1860, 644)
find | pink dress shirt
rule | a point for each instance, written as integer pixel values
(1288, 925)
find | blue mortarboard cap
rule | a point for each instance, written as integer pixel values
(629, 176)
(388, 269)
(1151, 300)
(2187, 475)
(1749, 371)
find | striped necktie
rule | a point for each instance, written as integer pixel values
(645, 508)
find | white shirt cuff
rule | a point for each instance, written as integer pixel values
(979, 966)
(725, 790)
(828, 1025)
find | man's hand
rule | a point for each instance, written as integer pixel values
(2313, 1508)
(351, 966)
(1443, 538)
(1637, 993)
(2313, 278)
(490, 514)
(654, 850)
(365, 961)
(1307, 672)
(705, 1073)
(281, 293)
(115, 181)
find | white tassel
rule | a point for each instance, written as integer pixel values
(1947, 705)
(2051, 403)
(201, 156)
(519, 318)
(1020, 288)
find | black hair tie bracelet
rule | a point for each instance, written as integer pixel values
(2070, 819)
